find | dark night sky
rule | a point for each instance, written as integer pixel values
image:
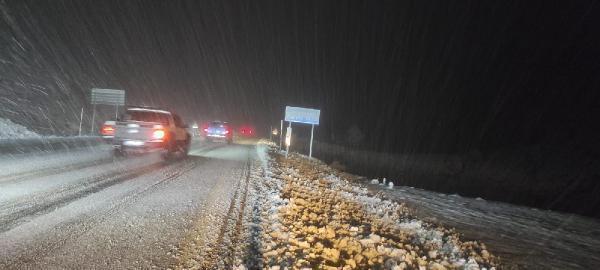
(412, 75)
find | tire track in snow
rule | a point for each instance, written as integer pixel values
(251, 254)
(50, 171)
(72, 229)
(219, 254)
(63, 190)
(217, 251)
(35, 208)
(237, 232)
(29, 175)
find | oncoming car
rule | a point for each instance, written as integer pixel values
(143, 129)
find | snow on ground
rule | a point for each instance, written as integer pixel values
(524, 237)
(311, 217)
(14, 163)
(88, 212)
(10, 130)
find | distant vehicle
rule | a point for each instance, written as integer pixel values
(246, 131)
(144, 129)
(217, 130)
(108, 130)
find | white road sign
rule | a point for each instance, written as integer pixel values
(302, 115)
(108, 96)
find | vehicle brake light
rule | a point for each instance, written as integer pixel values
(107, 130)
(226, 131)
(158, 134)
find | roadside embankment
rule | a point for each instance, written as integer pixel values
(321, 220)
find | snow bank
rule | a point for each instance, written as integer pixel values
(318, 219)
(10, 130)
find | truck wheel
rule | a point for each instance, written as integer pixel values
(118, 153)
(184, 148)
(171, 148)
(188, 145)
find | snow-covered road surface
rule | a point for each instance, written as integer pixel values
(82, 209)
(523, 237)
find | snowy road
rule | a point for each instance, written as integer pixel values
(82, 209)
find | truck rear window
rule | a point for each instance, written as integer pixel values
(145, 116)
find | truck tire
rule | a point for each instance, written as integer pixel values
(171, 148)
(185, 147)
(118, 153)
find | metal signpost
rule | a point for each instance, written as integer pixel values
(107, 97)
(288, 139)
(80, 121)
(280, 137)
(304, 116)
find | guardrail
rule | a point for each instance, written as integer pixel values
(15, 146)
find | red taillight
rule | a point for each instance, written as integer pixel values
(107, 130)
(206, 130)
(227, 131)
(246, 130)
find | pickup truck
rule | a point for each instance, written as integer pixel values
(142, 129)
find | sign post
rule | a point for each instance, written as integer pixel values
(93, 117)
(304, 116)
(312, 131)
(288, 139)
(80, 121)
(280, 137)
(107, 97)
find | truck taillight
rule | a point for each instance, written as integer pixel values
(107, 130)
(158, 134)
